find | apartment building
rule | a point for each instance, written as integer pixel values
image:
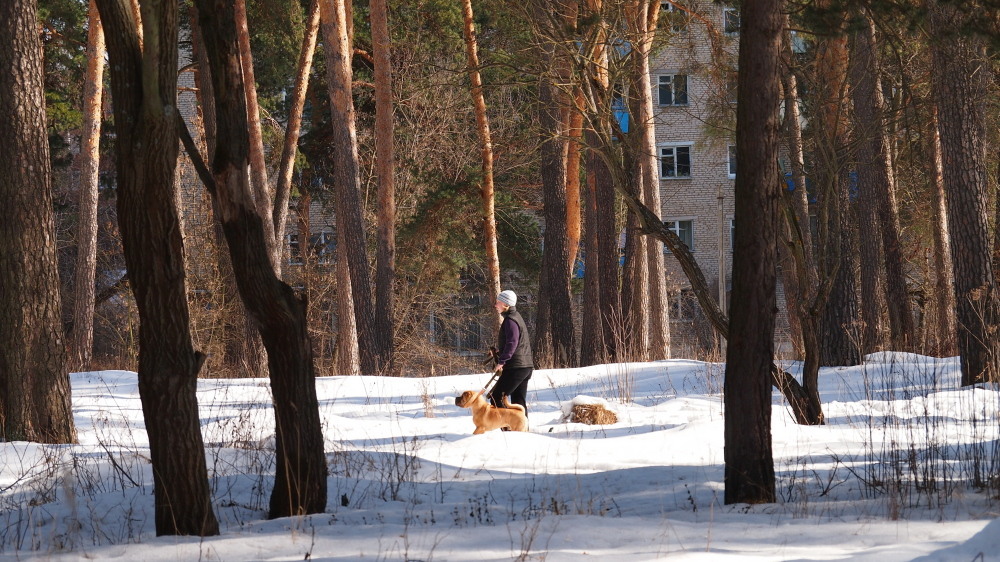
(693, 76)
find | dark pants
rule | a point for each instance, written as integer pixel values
(514, 383)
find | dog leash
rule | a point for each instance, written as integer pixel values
(496, 375)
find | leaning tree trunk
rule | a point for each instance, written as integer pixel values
(749, 471)
(797, 281)
(300, 485)
(252, 353)
(258, 169)
(347, 198)
(961, 88)
(805, 296)
(82, 336)
(283, 187)
(243, 351)
(144, 89)
(34, 387)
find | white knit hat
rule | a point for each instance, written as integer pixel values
(508, 298)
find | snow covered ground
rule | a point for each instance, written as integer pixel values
(890, 477)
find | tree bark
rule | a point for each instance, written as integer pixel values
(658, 312)
(837, 256)
(243, 350)
(286, 166)
(385, 258)
(554, 334)
(82, 336)
(877, 186)
(873, 330)
(805, 294)
(34, 387)
(592, 344)
(606, 224)
(486, 190)
(258, 169)
(796, 280)
(574, 157)
(749, 473)
(943, 332)
(144, 89)
(634, 327)
(347, 200)
(960, 76)
(300, 475)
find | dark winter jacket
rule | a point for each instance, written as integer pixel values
(513, 341)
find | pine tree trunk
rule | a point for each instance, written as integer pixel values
(840, 339)
(866, 131)
(749, 473)
(634, 331)
(796, 280)
(837, 258)
(943, 331)
(385, 258)
(348, 355)
(243, 349)
(598, 171)
(82, 336)
(877, 183)
(555, 333)
(258, 169)
(300, 483)
(283, 187)
(34, 387)
(658, 311)
(144, 86)
(574, 156)
(486, 155)
(961, 90)
(592, 346)
(805, 295)
(347, 199)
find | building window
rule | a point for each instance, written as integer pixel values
(294, 250)
(672, 89)
(323, 245)
(675, 162)
(684, 229)
(731, 20)
(674, 16)
(732, 161)
(732, 234)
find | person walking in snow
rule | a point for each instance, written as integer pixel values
(514, 354)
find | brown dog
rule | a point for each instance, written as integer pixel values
(487, 417)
